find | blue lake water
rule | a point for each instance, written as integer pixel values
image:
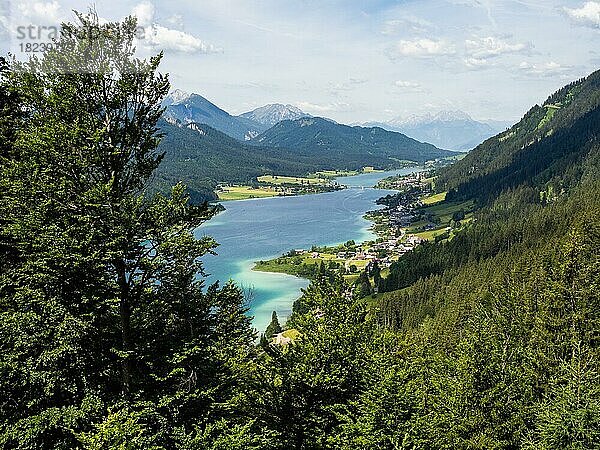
(260, 229)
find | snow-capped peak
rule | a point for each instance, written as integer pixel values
(175, 97)
(450, 116)
(441, 116)
(274, 113)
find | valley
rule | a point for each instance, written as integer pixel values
(179, 275)
(411, 216)
(203, 151)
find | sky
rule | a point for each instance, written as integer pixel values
(352, 61)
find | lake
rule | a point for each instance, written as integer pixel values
(260, 229)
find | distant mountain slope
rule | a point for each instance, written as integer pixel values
(270, 115)
(203, 157)
(548, 142)
(352, 147)
(452, 130)
(186, 108)
(532, 186)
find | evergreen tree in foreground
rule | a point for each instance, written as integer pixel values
(103, 319)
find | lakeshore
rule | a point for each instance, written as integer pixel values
(412, 215)
(261, 229)
(268, 186)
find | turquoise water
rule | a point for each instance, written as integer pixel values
(260, 229)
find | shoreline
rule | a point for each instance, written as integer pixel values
(270, 186)
(386, 244)
(265, 297)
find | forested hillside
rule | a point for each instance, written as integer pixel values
(202, 157)
(334, 143)
(109, 338)
(549, 142)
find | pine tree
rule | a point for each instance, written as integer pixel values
(273, 328)
(104, 315)
(363, 285)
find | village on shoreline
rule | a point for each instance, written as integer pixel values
(412, 216)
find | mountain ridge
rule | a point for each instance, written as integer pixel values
(452, 130)
(185, 108)
(368, 146)
(273, 113)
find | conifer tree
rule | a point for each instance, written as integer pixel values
(104, 316)
(273, 328)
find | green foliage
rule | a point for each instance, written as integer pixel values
(273, 328)
(103, 315)
(363, 285)
(122, 429)
(109, 339)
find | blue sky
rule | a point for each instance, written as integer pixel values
(358, 61)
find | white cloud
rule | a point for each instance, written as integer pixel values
(588, 15)
(491, 47)
(322, 108)
(144, 12)
(45, 12)
(176, 20)
(167, 39)
(549, 69)
(421, 48)
(407, 84)
(159, 37)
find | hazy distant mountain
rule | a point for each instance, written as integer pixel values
(555, 144)
(270, 115)
(452, 130)
(342, 145)
(187, 108)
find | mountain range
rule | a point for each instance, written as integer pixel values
(204, 145)
(452, 130)
(183, 108)
(354, 147)
(202, 157)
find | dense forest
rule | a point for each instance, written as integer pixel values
(110, 339)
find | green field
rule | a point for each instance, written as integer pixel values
(245, 192)
(551, 110)
(303, 265)
(277, 179)
(444, 210)
(334, 173)
(430, 235)
(436, 198)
